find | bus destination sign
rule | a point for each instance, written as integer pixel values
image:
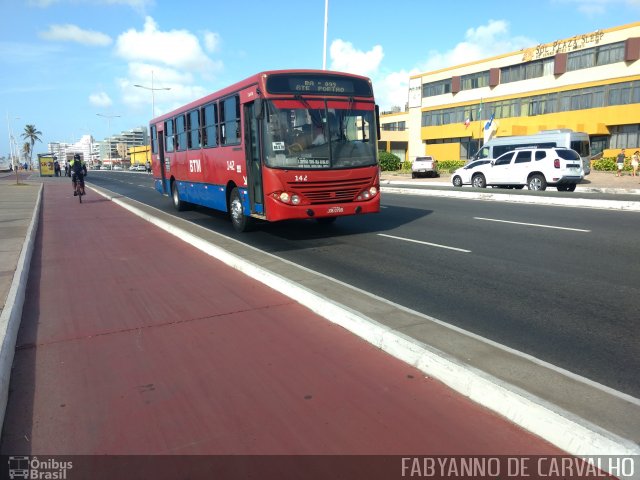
(308, 85)
(318, 85)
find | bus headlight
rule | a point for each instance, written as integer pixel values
(367, 194)
(290, 198)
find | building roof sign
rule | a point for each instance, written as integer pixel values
(563, 46)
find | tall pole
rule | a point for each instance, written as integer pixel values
(12, 144)
(153, 97)
(109, 117)
(326, 22)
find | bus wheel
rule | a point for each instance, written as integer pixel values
(175, 196)
(241, 223)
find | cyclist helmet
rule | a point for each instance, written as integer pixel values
(76, 156)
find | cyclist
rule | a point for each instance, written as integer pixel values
(78, 171)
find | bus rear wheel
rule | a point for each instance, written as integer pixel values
(175, 196)
(241, 223)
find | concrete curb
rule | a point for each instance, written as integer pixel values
(12, 312)
(505, 197)
(569, 432)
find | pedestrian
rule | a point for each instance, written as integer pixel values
(620, 162)
(635, 161)
(148, 165)
(56, 168)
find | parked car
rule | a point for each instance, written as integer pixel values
(427, 166)
(462, 176)
(536, 168)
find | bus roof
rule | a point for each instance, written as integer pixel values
(259, 79)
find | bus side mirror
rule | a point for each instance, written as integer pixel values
(257, 108)
(378, 121)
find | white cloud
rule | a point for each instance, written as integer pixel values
(73, 33)
(174, 48)
(481, 42)
(391, 88)
(177, 60)
(182, 87)
(346, 58)
(100, 99)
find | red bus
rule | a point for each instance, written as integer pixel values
(285, 144)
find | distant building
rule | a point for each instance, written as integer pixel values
(115, 148)
(588, 83)
(140, 155)
(65, 151)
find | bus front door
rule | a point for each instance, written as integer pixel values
(254, 163)
(161, 160)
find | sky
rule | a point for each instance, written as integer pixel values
(63, 62)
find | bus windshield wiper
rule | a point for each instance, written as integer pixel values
(303, 101)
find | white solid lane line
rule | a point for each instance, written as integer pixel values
(533, 225)
(426, 243)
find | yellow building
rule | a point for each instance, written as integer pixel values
(588, 83)
(140, 155)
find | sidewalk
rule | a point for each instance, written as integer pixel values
(151, 361)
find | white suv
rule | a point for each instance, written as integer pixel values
(536, 168)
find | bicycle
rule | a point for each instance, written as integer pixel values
(79, 190)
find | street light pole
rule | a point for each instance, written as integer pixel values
(326, 21)
(153, 98)
(109, 117)
(12, 142)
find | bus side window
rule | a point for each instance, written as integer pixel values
(193, 130)
(230, 121)
(209, 125)
(168, 136)
(181, 134)
(154, 139)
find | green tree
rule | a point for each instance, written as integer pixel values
(32, 135)
(26, 150)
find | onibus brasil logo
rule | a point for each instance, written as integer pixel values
(33, 468)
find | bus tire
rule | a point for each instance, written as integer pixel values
(179, 205)
(241, 223)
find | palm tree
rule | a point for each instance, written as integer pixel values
(32, 135)
(26, 150)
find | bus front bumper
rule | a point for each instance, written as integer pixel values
(277, 210)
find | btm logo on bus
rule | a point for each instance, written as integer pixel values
(32, 468)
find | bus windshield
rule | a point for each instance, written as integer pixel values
(298, 135)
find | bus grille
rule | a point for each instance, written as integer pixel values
(330, 191)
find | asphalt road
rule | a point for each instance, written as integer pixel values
(561, 284)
